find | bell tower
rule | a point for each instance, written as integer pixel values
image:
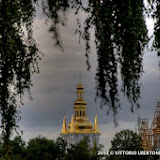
(80, 125)
(80, 112)
(80, 104)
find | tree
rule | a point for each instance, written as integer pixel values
(62, 147)
(18, 60)
(41, 148)
(16, 151)
(94, 151)
(79, 151)
(126, 140)
(82, 151)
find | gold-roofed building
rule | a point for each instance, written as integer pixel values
(80, 125)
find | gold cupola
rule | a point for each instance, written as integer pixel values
(82, 124)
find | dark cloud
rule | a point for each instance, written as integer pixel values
(54, 89)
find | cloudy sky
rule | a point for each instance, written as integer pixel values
(54, 88)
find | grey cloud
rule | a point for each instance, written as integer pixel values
(54, 89)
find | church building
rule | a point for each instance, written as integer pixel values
(80, 125)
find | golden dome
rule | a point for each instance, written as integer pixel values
(79, 121)
(80, 86)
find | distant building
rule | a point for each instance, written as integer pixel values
(151, 136)
(80, 125)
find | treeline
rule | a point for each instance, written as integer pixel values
(42, 148)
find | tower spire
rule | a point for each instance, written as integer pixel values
(80, 91)
(64, 127)
(80, 78)
(96, 126)
(72, 126)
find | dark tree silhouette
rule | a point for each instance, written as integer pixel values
(18, 59)
(82, 151)
(126, 140)
(41, 148)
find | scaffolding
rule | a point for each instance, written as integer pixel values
(145, 134)
(155, 129)
(151, 136)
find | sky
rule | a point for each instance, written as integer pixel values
(54, 88)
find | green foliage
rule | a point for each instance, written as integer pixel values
(16, 150)
(126, 140)
(82, 151)
(94, 151)
(61, 145)
(18, 59)
(41, 148)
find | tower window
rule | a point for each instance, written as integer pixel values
(80, 95)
